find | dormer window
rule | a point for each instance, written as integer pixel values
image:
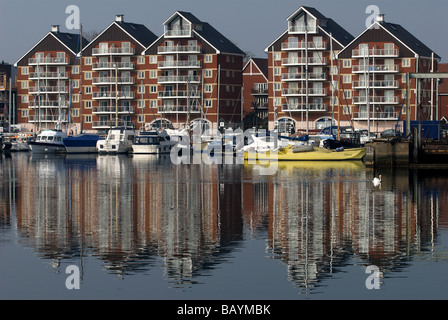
(178, 27)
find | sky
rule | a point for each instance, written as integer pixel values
(251, 24)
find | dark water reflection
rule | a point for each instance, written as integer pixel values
(141, 214)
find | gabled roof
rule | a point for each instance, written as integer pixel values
(329, 26)
(261, 64)
(208, 33)
(140, 33)
(401, 35)
(71, 41)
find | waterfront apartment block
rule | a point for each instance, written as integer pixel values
(255, 100)
(112, 73)
(7, 94)
(45, 80)
(373, 75)
(193, 76)
(303, 71)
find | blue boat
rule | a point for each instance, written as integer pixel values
(81, 143)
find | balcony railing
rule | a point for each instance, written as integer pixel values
(48, 89)
(179, 79)
(303, 92)
(257, 90)
(302, 29)
(112, 95)
(384, 68)
(180, 64)
(111, 80)
(47, 104)
(377, 84)
(319, 107)
(113, 65)
(303, 61)
(47, 118)
(375, 53)
(113, 51)
(304, 45)
(179, 109)
(376, 116)
(110, 123)
(112, 109)
(48, 60)
(302, 76)
(178, 33)
(376, 100)
(179, 94)
(48, 75)
(179, 49)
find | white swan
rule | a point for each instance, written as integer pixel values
(377, 181)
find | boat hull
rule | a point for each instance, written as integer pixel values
(39, 147)
(318, 154)
(81, 144)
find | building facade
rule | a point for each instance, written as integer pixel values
(46, 81)
(373, 75)
(255, 100)
(7, 95)
(303, 71)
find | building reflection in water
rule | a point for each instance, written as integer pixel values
(135, 213)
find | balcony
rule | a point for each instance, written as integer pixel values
(113, 80)
(48, 61)
(376, 116)
(377, 84)
(113, 65)
(179, 79)
(113, 51)
(384, 68)
(302, 76)
(303, 92)
(318, 107)
(376, 53)
(48, 89)
(48, 75)
(304, 45)
(180, 64)
(259, 91)
(179, 94)
(178, 49)
(177, 33)
(302, 29)
(47, 104)
(47, 118)
(106, 124)
(113, 95)
(376, 100)
(179, 109)
(113, 109)
(303, 61)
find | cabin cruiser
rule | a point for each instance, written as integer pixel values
(153, 142)
(118, 140)
(48, 141)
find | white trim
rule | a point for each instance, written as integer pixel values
(244, 68)
(144, 51)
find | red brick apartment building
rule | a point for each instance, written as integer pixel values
(442, 94)
(7, 94)
(255, 92)
(129, 76)
(45, 78)
(303, 71)
(113, 71)
(375, 65)
(194, 75)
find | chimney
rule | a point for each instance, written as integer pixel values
(380, 17)
(55, 28)
(119, 18)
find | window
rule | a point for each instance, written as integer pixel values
(141, 74)
(153, 103)
(24, 99)
(141, 89)
(347, 78)
(347, 94)
(141, 60)
(87, 61)
(75, 98)
(347, 63)
(141, 104)
(88, 119)
(208, 103)
(152, 59)
(277, 102)
(25, 85)
(141, 118)
(406, 63)
(88, 90)
(277, 86)
(88, 104)
(75, 84)
(208, 58)
(75, 69)
(208, 73)
(277, 56)
(25, 113)
(208, 88)
(277, 71)
(153, 89)
(25, 70)
(75, 112)
(347, 110)
(88, 75)
(153, 74)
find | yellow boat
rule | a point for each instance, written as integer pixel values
(317, 154)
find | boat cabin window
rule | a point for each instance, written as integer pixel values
(111, 137)
(50, 138)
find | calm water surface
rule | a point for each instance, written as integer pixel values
(139, 227)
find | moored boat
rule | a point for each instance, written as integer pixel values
(81, 143)
(153, 142)
(48, 141)
(118, 140)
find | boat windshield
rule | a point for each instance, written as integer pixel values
(111, 137)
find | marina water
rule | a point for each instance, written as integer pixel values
(141, 227)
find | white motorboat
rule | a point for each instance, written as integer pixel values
(48, 141)
(153, 142)
(118, 140)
